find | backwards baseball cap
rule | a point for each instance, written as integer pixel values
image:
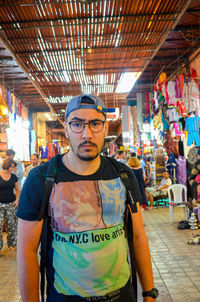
(85, 101)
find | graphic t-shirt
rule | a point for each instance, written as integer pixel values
(7, 194)
(87, 253)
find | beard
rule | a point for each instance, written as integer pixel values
(86, 157)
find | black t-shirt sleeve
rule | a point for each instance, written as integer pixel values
(15, 178)
(32, 194)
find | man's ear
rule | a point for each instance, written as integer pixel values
(66, 130)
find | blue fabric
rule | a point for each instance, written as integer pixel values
(165, 123)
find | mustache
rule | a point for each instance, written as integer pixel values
(88, 143)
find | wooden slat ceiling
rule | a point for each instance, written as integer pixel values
(67, 48)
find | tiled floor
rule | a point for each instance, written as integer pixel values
(176, 264)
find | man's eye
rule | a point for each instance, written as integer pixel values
(95, 123)
(77, 124)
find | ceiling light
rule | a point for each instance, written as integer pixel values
(86, 1)
(101, 79)
(127, 81)
(67, 79)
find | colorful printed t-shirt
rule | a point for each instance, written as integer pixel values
(87, 255)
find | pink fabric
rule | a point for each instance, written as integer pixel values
(197, 179)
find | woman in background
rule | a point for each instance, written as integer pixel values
(136, 167)
(9, 196)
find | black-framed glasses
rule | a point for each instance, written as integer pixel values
(94, 125)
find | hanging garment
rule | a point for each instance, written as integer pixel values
(177, 129)
(43, 152)
(192, 125)
(181, 148)
(165, 123)
(171, 167)
(170, 145)
(172, 115)
(181, 172)
(186, 96)
(181, 108)
(194, 96)
(171, 93)
(180, 85)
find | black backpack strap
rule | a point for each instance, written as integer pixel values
(43, 214)
(125, 179)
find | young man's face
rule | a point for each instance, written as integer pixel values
(34, 160)
(86, 145)
(165, 175)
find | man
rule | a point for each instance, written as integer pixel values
(151, 193)
(35, 163)
(195, 171)
(87, 250)
(121, 156)
(143, 165)
(19, 170)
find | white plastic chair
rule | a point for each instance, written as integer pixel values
(177, 194)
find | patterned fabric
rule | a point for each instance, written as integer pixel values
(8, 212)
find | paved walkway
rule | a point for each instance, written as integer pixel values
(176, 264)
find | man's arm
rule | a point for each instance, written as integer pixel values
(20, 170)
(27, 262)
(163, 187)
(142, 254)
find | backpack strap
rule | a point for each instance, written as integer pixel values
(49, 182)
(43, 214)
(125, 179)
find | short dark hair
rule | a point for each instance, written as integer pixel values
(133, 154)
(166, 171)
(120, 152)
(10, 152)
(35, 155)
(8, 163)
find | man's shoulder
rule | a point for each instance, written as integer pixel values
(118, 164)
(39, 171)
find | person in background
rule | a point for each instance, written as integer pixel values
(135, 166)
(121, 156)
(143, 165)
(35, 163)
(19, 170)
(195, 171)
(148, 171)
(9, 196)
(133, 154)
(161, 190)
(87, 203)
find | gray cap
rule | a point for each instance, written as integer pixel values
(78, 102)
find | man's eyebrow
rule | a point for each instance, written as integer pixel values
(77, 119)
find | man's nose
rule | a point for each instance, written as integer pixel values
(86, 131)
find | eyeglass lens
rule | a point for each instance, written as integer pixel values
(94, 125)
